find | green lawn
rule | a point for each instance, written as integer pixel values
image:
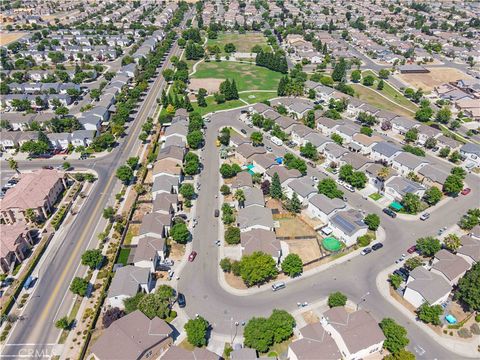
(247, 76)
(255, 97)
(243, 42)
(392, 93)
(376, 196)
(213, 106)
(123, 256)
(371, 97)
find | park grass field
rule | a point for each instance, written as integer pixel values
(368, 95)
(213, 106)
(392, 93)
(254, 97)
(247, 76)
(243, 42)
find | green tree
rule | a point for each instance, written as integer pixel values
(124, 173)
(372, 221)
(196, 330)
(225, 189)
(187, 191)
(151, 305)
(109, 213)
(340, 70)
(257, 268)
(395, 280)
(180, 233)
(337, 138)
(79, 286)
(368, 80)
(337, 299)
(292, 265)
(224, 136)
(452, 242)
(430, 314)
(395, 336)
(400, 355)
(468, 288)
(413, 263)
(453, 185)
(63, 323)
(444, 152)
(328, 187)
(380, 85)
(226, 265)
(383, 73)
(424, 114)
(459, 171)
(92, 258)
(258, 334)
(309, 119)
(455, 157)
(294, 205)
(443, 115)
(411, 203)
(232, 235)
(432, 195)
(428, 246)
(257, 138)
(276, 187)
(282, 324)
(132, 162)
(131, 303)
(411, 135)
(229, 48)
(356, 75)
(309, 151)
(195, 139)
(66, 166)
(13, 165)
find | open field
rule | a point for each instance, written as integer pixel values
(213, 106)
(243, 42)
(7, 38)
(436, 77)
(247, 76)
(371, 97)
(211, 85)
(254, 97)
(392, 93)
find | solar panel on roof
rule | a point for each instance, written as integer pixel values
(345, 224)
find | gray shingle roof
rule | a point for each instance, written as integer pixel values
(430, 285)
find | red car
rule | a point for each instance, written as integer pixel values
(192, 255)
(412, 249)
(466, 191)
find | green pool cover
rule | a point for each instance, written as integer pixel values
(396, 206)
(331, 244)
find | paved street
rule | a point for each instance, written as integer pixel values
(51, 298)
(205, 296)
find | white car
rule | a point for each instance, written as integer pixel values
(349, 187)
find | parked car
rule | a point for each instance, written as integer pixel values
(181, 300)
(466, 191)
(250, 125)
(268, 148)
(424, 216)
(366, 251)
(377, 246)
(412, 249)
(349, 187)
(278, 286)
(48, 167)
(243, 131)
(313, 165)
(216, 213)
(390, 213)
(192, 256)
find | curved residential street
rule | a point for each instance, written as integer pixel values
(199, 280)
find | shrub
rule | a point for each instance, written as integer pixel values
(337, 299)
(226, 265)
(364, 240)
(464, 333)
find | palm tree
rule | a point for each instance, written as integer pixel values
(383, 173)
(240, 197)
(13, 164)
(30, 215)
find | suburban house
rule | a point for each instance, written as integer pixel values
(327, 126)
(356, 160)
(317, 140)
(242, 180)
(397, 187)
(165, 183)
(299, 132)
(127, 282)
(400, 125)
(38, 190)
(178, 353)
(261, 240)
(314, 340)
(333, 152)
(133, 336)
(155, 225)
(365, 143)
(255, 217)
(243, 354)
(284, 174)
(166, 203)
(173, 152)
(244, 152)
(378, 174)
(426, 286)
(471, 152)
(357, 334)
(304, 187)
(253, 197)
(322, 207)
(385, 152)
(450, 266)
(470, 249)
(348, 225)
(149, 252)
(263, 162)
(431, 175)
(405, 163)
(15, 241)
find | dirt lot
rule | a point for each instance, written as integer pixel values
(7, 38)
(290, 227)
(308, 250)
(176, 251)
(310, 317)
(210, 84)
(436, 77)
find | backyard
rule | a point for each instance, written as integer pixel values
(243, 42)
(435, 77)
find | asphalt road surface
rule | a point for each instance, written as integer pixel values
(205, 296)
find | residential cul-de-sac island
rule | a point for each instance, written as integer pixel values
(239, 180)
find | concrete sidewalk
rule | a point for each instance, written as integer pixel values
(464, 348)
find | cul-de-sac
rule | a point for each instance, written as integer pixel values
(240, 179)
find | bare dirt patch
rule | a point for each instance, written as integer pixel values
(177, 251)
(308, 250)
(436, 77)
(310, 317)
(7, 38)
(235, 281)
(293, 227)
(210, 84)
